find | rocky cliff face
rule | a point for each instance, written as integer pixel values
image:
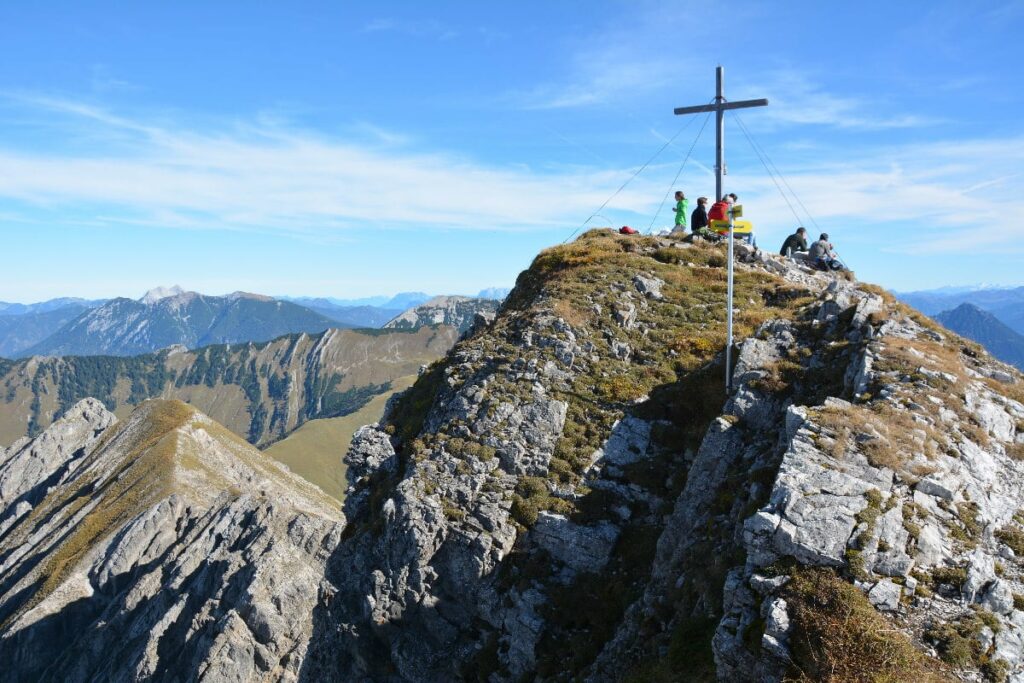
(459, 312)
(161, 548)
(572, 495)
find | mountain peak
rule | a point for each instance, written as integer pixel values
(1002, 341)
(157, 293)
(248, 295)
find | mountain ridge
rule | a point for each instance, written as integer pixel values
(229, 527)
(1005, 303)
(261, 390)
(983, 327)
(126, 327)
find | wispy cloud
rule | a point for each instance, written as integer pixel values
(797, 100)
(599, 78)
(941, 197)
(271, 177)
(102, 80)
(266, 176)
(419, 29)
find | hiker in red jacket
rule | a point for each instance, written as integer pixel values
(720, 210)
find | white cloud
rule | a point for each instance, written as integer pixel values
(266, 176)
(598, 78)
(418, 29)
(942, 197)
(271, 177)
(796, 100)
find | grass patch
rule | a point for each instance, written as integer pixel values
(838, 637)
(1012, 537)
(959, 643)
(950, 576)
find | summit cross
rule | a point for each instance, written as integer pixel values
(720, 106)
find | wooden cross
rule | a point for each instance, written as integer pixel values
(720, 107)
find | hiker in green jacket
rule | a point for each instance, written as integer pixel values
(682, 211)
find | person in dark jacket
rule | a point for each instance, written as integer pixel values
(699, 217)
(795, 242)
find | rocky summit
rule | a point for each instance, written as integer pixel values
(460, 312)
(570, 494)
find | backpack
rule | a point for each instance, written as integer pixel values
(719, 212)
(626, 230)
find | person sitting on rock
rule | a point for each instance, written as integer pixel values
(699, 217)
(795, 242)
(822, 254)
(720, 210)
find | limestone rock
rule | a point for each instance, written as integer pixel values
(582, 548)
(210, 556)
(885, 595)
(650, 287)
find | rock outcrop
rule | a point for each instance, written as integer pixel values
(460, 312)
(162, 548)
(562, 490)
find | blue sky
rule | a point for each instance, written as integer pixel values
(344, 149)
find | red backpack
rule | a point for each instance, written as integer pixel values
(719, 211)
(626, 230)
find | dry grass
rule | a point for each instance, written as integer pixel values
(886, 436)
(143, 478)
(959, 643)
(1012, 537)
(838, 637)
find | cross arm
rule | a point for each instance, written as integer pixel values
(723, 106)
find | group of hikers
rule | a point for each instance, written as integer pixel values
(701, 217)
(821, 253)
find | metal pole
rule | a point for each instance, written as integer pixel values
(719, 132)
(728, 314)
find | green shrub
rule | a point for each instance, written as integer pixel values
(951, 576)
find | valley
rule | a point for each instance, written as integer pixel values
(261, 391)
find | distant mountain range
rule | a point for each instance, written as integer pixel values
(24, 330)
(162, 318)
(48, 306)
(361, 315)
(1005, 304)
(166, 316)
(400, 301)
(970, 321)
